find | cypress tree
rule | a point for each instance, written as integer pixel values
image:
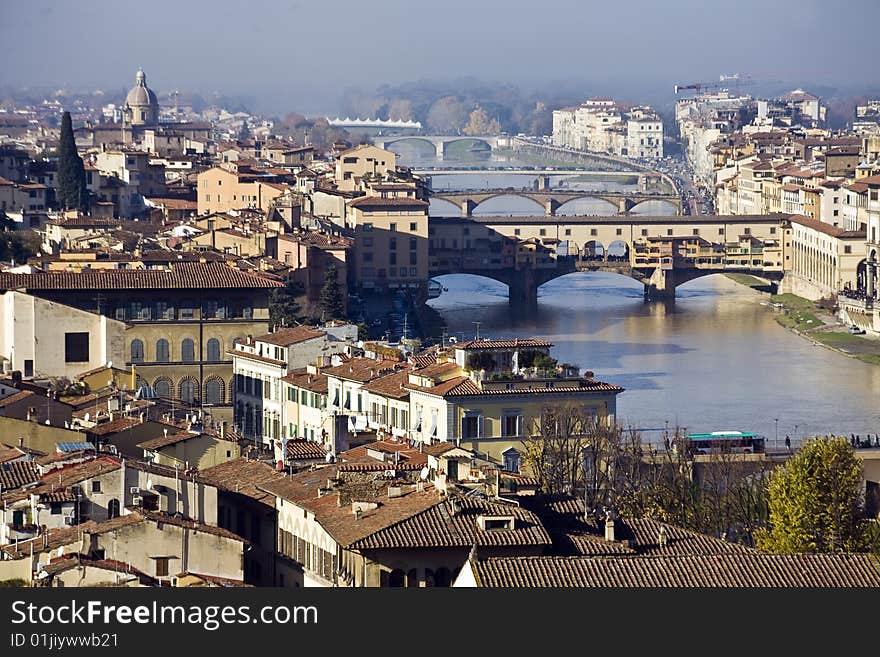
(331, 296)
(71, 171)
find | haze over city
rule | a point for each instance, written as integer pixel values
(300, 56)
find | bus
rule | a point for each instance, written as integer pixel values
(733, 442)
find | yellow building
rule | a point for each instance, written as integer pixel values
(221, 189)
(365, 160)
(391, 242)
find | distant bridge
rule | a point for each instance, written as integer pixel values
(379, 124)
(440, 142)
(662, 252)
(552, 200)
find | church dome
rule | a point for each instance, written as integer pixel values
(141, 95)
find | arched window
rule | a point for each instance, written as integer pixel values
(162, 387)
(137, 351)
(214, 391)
(188, 390)
(113, 509)
(162, 355)
(187, 350)
(396, 578)
(213, 350)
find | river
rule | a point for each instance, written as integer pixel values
(715, 359)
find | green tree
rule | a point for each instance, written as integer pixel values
(331, 296)
(71, 190)
(284, 309)
(816, 503)
(245, 133)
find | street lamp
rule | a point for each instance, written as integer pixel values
(795, 434)
(776, 438)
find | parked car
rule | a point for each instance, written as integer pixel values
(855, 330)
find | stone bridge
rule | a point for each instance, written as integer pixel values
(661, 252)
(553, 200)
(440, 142)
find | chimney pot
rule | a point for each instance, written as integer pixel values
(609, 529)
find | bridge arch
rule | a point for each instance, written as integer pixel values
(440, 207)
(511, 193)
(587, 205)
(388, 143)
(487, 146)
(652, 206)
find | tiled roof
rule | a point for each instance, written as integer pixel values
(65, 476)
(114, 426)
(300, 448)
(828, 229)
(17, 474)
(240, 353)
(390, 385)
(15, 398)
(186, 523)
(242, 476)
(362, 369)
(751, 569)
(56, 538)
(185, 275)
(302, 379)
(463, 386)
(366, 202)
(164, 441)
(440, 526)
(290, 335)
(10, 454)
(503, 344)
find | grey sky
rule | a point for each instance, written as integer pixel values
(298, 54)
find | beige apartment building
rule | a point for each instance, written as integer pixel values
(352, 165)
(222, 190)
(824, 258)
(390, 242)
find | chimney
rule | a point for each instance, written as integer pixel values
(661, 538)
(357, 514)
(609, 529)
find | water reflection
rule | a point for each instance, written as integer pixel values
(713, 359)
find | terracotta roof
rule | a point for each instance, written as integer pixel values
(300, 448)
(728, 570)
(59, 565)
(362, 369)
(68, 535)
(186, 523)
(340, 521)
(441, 526)
(263, 359)
(828, 229)
(379, 202)
(66, 476)
(290, 335)
(10, 454)
(302, 379)
(503, 344)
(390, 385)
(463, 386)
(186, 275)
(870, 180)
(319, 239)
(18, 474)
(165, 441)
(114, 426)
(358, 459)
(15, 398)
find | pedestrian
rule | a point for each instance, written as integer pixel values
(788, 443)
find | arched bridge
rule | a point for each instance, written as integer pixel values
(662, 252)
(553, 200)
(440, 142)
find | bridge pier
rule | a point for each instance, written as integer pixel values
(441, 149)
(661, 286)
(523, 290)
(467, 207)
(624, 205)
(543, 183)
(551, 205)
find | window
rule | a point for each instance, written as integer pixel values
(618, 231)
(213, 350)
(392, 243)
(412, 226)
(516, 231)
(847, 249)
(214, 391)
(96, 486)
(773, 228)
(669, 231)
(721, 231)
(511, 423)
(187, 350)
(392, 228)
(644, 232)
(187, 391)
(368, 228)
(161, 566)
(511, 460)
(542, 231)
(162, 387)
(594, 232)
(137, 351)
(368, 257)
(162, 350)
(568, 231)
(368, 241)
(413, 271)
(76, 347)
(392, 259)
(413, 258)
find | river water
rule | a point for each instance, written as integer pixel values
(715, 359)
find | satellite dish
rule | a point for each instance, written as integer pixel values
(86, 417)
(424, 473)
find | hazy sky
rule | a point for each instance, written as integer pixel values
(299, 54)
